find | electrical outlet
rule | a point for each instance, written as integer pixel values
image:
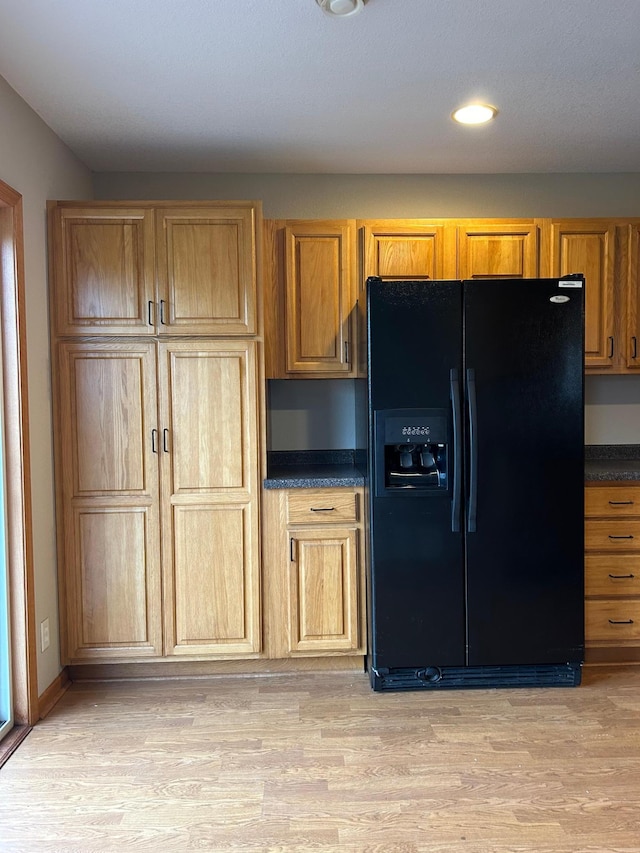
(45, 640)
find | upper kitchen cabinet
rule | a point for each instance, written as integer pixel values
(407, 248)
(103, 269)
(493, 249)
(310, 298)
(588, 246)
(156, 268)
(207, 269)
(631, 276)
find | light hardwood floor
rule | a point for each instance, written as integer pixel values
(318, 762)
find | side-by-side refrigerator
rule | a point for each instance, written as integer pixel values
(476, 478)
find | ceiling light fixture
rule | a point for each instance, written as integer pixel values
(474, 114)
(341, 8)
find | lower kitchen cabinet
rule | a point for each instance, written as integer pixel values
(157, 448)
(612, 571)
(314, 572)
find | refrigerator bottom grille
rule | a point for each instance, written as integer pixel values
(464, 678)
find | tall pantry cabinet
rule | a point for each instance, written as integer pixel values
(158, 421)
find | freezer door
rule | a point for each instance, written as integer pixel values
(525, 529)
(416, 581)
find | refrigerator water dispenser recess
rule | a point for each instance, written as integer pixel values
(411, 447)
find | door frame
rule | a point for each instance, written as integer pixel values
(17, 462)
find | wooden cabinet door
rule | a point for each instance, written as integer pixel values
(412, 249)
(319, 304)
(587, 246)
(631, 283)
(210, 463)
(323, 591)
(108, 481)
(497, 250)
(206, 259)
(103, 279)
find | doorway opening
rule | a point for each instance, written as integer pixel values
(18, 674)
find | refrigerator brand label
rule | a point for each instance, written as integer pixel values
(569, 284)
(559, 299)
(416, 430)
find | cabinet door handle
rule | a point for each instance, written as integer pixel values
(291, 553)
(629, 536)
(150, 313)
(611, 346)
(620, 503)
(322, 509)
(162, 320)
(154, 438)
(621, 621)
(165, 440)
(346, 352)
(620, 577)
(634, 350)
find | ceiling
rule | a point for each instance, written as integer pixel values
(278, 86)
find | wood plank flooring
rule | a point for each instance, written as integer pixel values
(318, 762)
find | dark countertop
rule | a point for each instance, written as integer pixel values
(312, 469)
(604, 462)
(318, 469)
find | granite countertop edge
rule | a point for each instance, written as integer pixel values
(321, 469)
(611, 462)
(312, 469)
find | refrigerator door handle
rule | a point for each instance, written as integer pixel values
(457, 450)
(472, 506)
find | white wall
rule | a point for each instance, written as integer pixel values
(35, 163)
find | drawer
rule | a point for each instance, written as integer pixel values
(612, 501)
(322, 506)
(611, 575)
(616, 620)
(614, 535)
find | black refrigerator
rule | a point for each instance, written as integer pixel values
(475, 400)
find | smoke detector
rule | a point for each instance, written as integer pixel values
(341, 8)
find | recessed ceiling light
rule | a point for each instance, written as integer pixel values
(474, 114)
(341, 8)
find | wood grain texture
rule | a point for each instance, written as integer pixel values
(320, 297)
(109, 488)
(210, 501)
(103, 270)
(319, 506)
(409, 248)
(611, 500)
(313, 572)
(508, 250)
(207, 268)
(630, 257)
(321, 763)
(588, 246)
(273, 298)
(612, 567)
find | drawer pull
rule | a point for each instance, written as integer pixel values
(322, 509)
(620, 503)
(621, 621)
(628, 536)
(620, 577)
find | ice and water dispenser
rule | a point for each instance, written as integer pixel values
(411, 447)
